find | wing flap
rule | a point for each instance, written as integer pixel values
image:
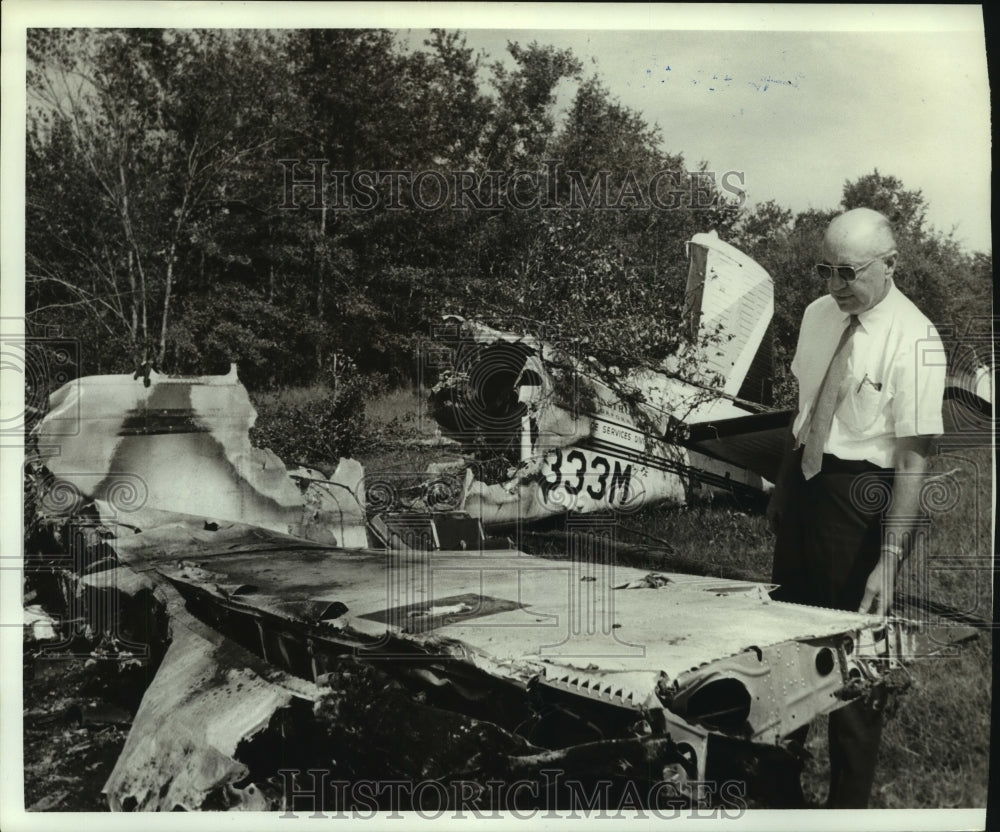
(754, 442)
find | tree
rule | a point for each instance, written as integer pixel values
(595, 259)
(147, 128)
(944, 280)
(160, 230)
(904, 209)
(522, 123)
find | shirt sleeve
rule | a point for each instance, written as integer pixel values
(797, 368)
(919, 379)
(796, 365)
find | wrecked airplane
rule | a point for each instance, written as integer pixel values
(572, 436)
(580, 437)
(287, 651)
(182, 446)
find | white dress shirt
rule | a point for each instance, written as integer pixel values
(895, 378)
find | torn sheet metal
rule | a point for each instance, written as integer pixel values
(209, 695)
(182, 445)
(181, 747)
(39, 625)
(710, 656)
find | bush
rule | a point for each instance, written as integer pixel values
(316, 431)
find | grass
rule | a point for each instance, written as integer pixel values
(401, 407)
(410, 439)
(935, 748)
(291, 396)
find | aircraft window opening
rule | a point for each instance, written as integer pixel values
(721, 704)
(824, 661)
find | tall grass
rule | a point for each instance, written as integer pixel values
(403, 407)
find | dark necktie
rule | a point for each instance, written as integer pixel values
(821, 419)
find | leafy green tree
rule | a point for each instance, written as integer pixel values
(602, 261)
(523, 123)
(948, 283)
(161, 233)
(905, 209)
(153, 125)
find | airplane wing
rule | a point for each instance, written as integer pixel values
(756, 441)
(260, 623)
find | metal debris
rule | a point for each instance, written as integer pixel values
(128, 447)
(534, 660)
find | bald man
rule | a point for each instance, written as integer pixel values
(849, 491)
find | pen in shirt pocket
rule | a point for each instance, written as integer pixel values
(876, 384)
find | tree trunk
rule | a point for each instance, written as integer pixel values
(171, 256)
(162, 351)
(134, 299)
(320, 281)
(133, 256)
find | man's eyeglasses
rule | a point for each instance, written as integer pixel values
(846, 273)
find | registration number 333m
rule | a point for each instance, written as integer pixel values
(579, 471)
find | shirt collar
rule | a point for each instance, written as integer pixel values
(881, 313)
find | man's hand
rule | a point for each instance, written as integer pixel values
(881, 584)
(910, 462)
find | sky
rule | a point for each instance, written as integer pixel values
(800, 99)
(801, 112)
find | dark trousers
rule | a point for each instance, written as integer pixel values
(828, 542)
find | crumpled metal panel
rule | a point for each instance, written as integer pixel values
(633, 639)
(208, 696)
(180, 748)
(38, 624)
(204, 701)
(182, 445)
(708, 654)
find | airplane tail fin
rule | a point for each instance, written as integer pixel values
(731, 296)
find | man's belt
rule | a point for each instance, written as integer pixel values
(835, 465)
